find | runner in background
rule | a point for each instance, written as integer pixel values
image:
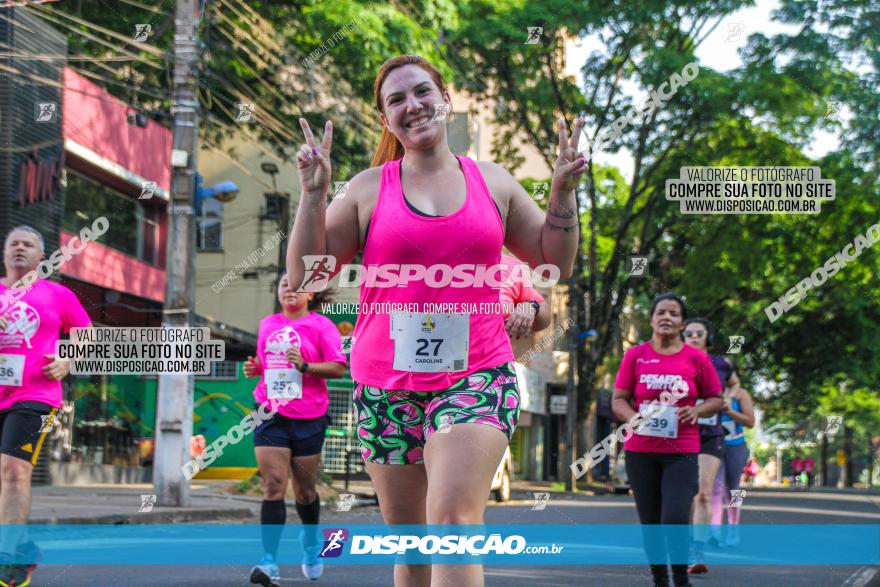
(422, 205)
(738, 413)
(30, 389)
(661, 454)
(531, 312)
(809, 466)
(699, 335)
(297, 351)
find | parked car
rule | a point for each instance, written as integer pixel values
(619, 480)
(503, 475)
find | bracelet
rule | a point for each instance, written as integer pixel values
(304, 368)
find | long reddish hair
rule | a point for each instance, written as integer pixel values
(389, 148)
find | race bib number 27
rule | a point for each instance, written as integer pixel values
(430, 343)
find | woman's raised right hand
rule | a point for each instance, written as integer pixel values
(313, 161)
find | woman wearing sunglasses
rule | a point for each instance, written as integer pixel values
(698, 334)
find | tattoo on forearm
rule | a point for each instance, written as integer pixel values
(565, 228)
(561, 211)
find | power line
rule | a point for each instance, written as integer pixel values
(94, 38)
(147, 48)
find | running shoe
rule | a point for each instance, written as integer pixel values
(312, 567)
(732, 539)
(698, 569)
(266, 573)
(14, 575)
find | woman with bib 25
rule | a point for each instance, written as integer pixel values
(661, 454)
(297, 351)
(419, 374)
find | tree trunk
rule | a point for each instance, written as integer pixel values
(847, 451)
(823, 461)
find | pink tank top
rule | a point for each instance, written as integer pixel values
(469, 238)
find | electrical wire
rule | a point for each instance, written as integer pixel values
(145, 47)
(94, 38)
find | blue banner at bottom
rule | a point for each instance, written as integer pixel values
(494, 544)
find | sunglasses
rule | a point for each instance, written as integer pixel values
(690, 333)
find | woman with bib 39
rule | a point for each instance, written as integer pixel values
(420, 373)
(661, 451)
(297, 351)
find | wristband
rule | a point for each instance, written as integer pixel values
(535, 304)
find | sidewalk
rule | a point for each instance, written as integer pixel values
(119, 504)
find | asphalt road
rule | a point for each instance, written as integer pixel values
(762, 508)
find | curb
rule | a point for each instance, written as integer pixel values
(172, 517)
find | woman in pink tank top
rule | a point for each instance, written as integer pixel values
(435, 393)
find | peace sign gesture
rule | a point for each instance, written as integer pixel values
(570, 163)
(313, 161)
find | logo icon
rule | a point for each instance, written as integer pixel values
(147, 503)
(541, 499)
(736, 343)
(440, 112)
(428, 324)
(340, 189)
(245, 112)
(318, 270)
(734, 32)
(535, 33)
(637, 266)
(736, 498)
(832, 425)
(148, 188)
(445, 423)
(45, 111)
(347, 342)
(142, 31)
(539, 191)
(334, 540)
(832, 108)
(47, 423)
(345, 501)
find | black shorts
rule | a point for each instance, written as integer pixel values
(302, 437)
(712, 445)
(24, 428)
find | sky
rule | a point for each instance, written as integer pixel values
(720, 52)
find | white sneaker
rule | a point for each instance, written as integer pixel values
(266, 573)
(312, 567)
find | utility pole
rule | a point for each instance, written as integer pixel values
(174, 412)
(570, 416)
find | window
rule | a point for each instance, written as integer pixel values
(87, 199)
(210, 227)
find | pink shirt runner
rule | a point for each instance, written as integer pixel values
(35, 322)
(689, 365)
(318, 341)
(515, 291)
(473, 235)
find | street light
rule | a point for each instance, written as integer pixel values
(225, 191)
